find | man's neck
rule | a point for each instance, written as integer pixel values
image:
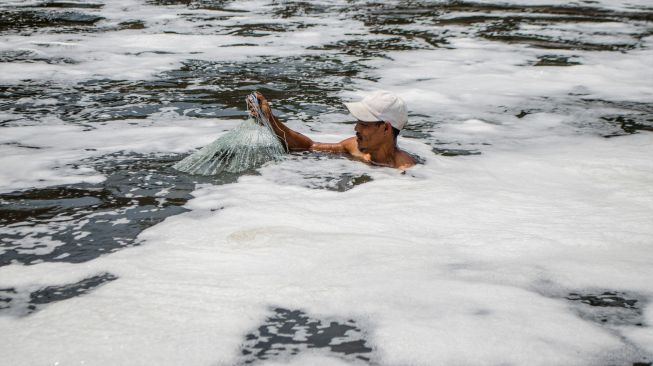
(385, 155)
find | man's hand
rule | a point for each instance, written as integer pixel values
(265, 106)
(291, 140)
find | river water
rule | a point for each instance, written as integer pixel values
(523, 236)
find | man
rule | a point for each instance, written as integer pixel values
(380, 115)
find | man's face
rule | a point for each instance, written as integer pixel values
(369, 135)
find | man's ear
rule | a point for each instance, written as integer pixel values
(387, 127)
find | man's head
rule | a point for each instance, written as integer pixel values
(372, 135)
(381, 115)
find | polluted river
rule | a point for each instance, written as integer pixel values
(523, 236)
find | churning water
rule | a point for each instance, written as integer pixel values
(524, 236)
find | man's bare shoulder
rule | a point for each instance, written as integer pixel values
(404, 160)
(401, 160)
(351, 146)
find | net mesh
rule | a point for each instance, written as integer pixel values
(247, 146)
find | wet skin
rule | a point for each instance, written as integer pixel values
(368, 135)
(374, 142)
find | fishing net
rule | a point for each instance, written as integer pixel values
(247, 146)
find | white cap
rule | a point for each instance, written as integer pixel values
(380, 106)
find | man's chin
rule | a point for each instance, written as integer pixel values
(361, 148)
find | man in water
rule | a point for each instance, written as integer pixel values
(380, 117)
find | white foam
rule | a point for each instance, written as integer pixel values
(642, 336)
(168, 39)
(31, 242)
(452, 255)
(62, 146)
(312, 358)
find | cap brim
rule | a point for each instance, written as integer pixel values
(360, 112)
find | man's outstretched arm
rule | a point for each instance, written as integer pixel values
(295, 141)
(292, 140)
